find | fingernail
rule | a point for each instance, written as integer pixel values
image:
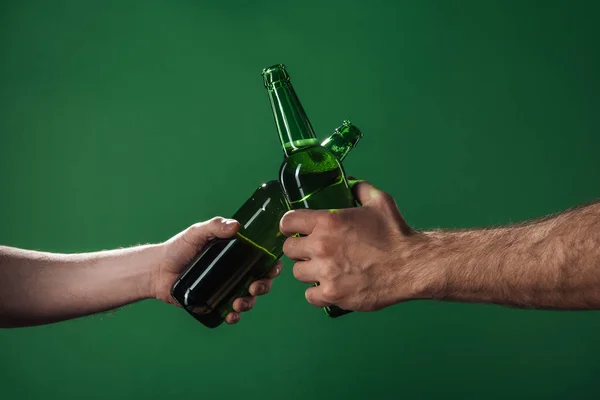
(228, 221)
(260, 288)
(245, 305)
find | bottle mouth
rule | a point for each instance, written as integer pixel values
(275, 74)
(350, 131)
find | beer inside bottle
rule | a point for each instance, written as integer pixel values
(310, 175)
(227, 267)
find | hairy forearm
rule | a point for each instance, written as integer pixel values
(550, 264)
(38, 288)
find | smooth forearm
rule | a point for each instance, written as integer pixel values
(38, 287)
(550, 264)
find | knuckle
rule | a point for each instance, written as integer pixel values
(215, 222)
(200, 228)
(330, 220)
(196, 228)
(330, 293)
(330, 271)
(261, 287)
(194, 231)
(387, 199)
(321, 248)
(386, 203)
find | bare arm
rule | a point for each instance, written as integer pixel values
(39, 288)
(368, 258)
(550, 264)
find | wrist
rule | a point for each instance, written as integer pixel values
(421, 266)
(149, 261)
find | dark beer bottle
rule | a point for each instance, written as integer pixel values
(311, 176)
(227, 267)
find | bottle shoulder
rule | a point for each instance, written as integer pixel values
(268, 188)
(311, 159)
(267, 198)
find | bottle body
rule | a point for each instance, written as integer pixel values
(310, 175)
(227, 267)
(313, 178)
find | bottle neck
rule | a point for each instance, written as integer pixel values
(343, 139)
(295, 131)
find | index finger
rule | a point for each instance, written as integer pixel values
(299, 221)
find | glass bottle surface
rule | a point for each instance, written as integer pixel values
(227, 267)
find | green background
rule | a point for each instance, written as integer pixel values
(123, 122)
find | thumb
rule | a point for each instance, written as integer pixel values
(201, 233)
(365, 192)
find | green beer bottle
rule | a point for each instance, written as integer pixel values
(226, 268)
(310, 175)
